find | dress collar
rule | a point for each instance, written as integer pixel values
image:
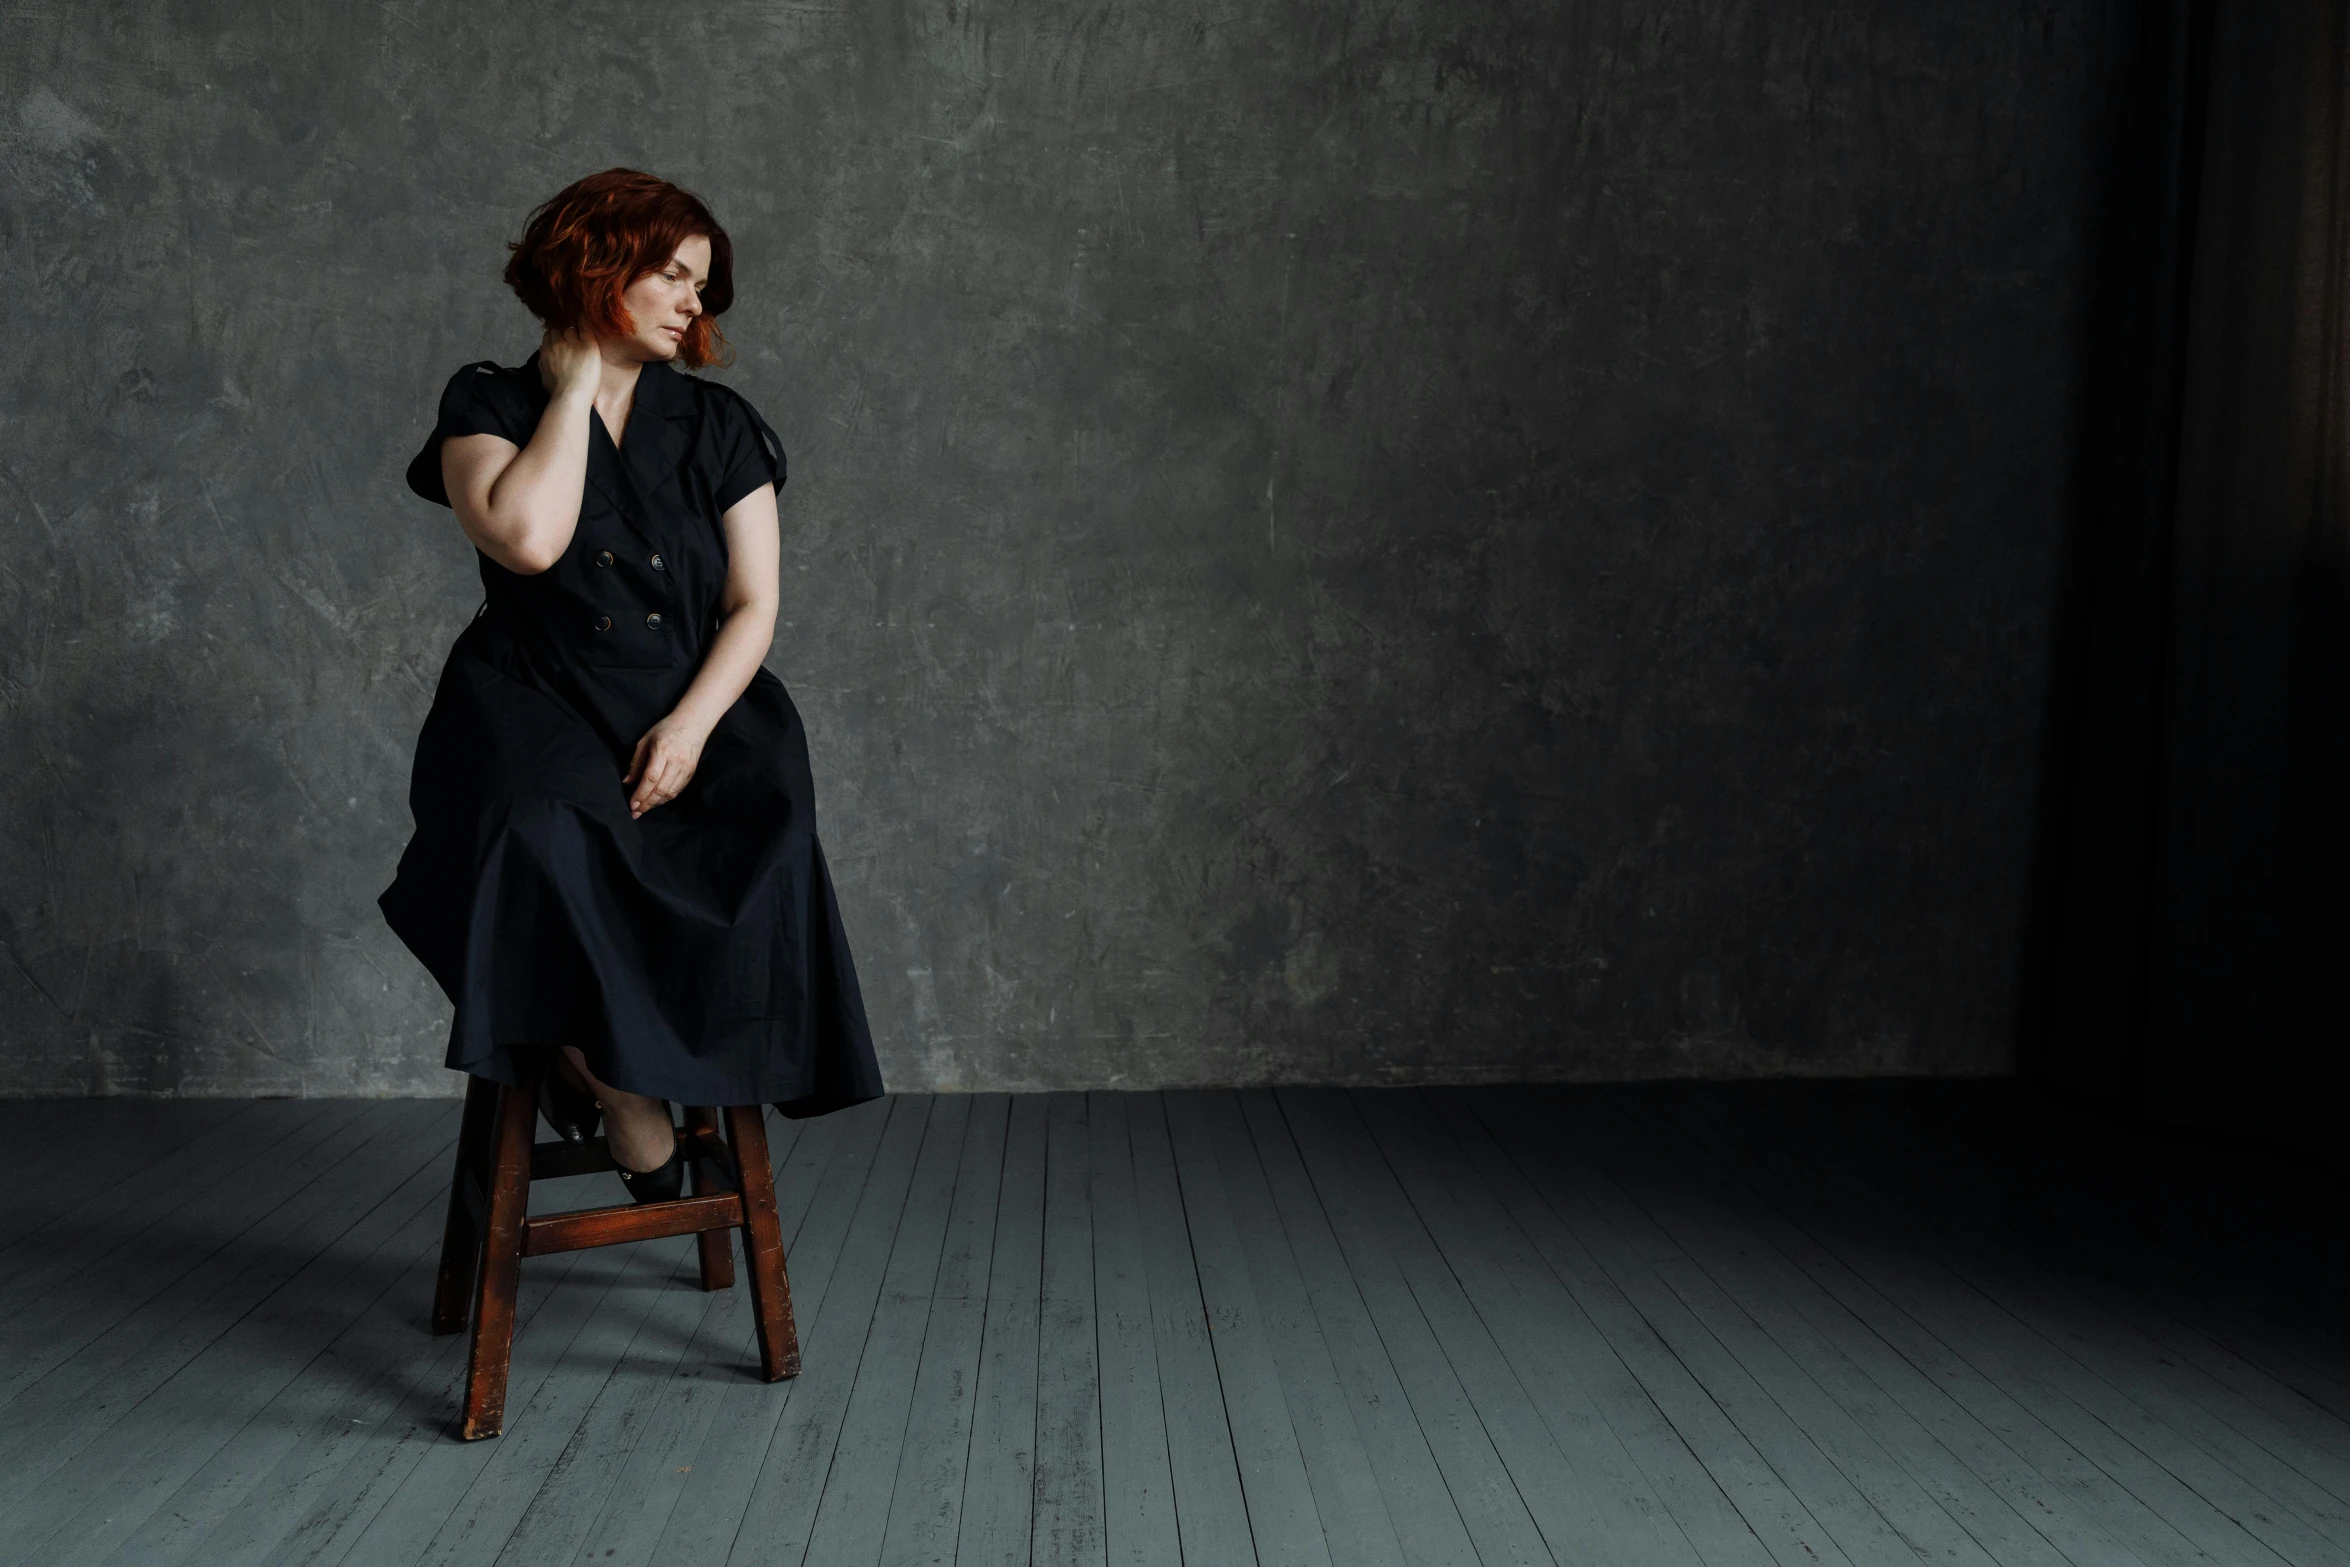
(660, 389)
(635, 472)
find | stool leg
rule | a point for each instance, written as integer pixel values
(460, 1236)
(501, 1262)
(717, 1246)
(779, 1338)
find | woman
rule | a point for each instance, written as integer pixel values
(615, 849)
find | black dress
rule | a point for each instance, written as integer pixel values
(695, 954)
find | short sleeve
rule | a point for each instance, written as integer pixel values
(481, 399)
(749, 453)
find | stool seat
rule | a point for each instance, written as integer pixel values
(489, 1229)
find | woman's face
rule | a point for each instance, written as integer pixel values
(664, 302)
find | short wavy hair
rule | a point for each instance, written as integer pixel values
(600, 234)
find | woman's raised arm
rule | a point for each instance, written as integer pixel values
(520, 504)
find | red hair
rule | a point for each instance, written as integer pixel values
(597, 236)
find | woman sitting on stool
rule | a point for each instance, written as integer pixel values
(615, 848)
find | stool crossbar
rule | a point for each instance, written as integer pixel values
(490, 1230)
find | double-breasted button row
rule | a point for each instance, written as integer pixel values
(653, 620)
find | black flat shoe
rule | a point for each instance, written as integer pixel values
(663, 1183)
(570, 1111)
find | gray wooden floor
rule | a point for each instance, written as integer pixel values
(1792, 1324)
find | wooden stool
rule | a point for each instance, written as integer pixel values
(490, 1231)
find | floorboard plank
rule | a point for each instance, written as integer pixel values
(439, 1471)
(130, 1165)
(331, 1506)
(776, 1519)
(105, 1336)
(846, 1239)
(306, 1296)
(852, 1514)
(1604, 1420)
(2145, 1432)
(364, 1387)
(2280, 1349)
(2147, 1508)
(32, 1129)
(96, 1409)
(2167, 1409)
(681, 1325)
(1630, 1249)
(2206, 1500)
(149, 1229)
(1554, 1340)
(1602, 1416)
(1211, 1511)
(2038, 1279)
(999, 1482)
(2243, 1336)
(1499, 1520)
(379, 1340)
(1285, 1519)
(1792, 1411)
(1067, 1530)
(1138, 1489)
(1351, 1511)
(1537, 1185)
(926, 1497)
(1580, 1485)
(1418, 1503)
(2131, 1382)
(2056, 1478)
(553, 1432)
(1975, 1476)
(345, 1502)
(57, 1154)
(818, 1166)
(2309, 1436)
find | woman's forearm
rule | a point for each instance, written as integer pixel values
(745, 633)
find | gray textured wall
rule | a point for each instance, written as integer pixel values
(1338, 542)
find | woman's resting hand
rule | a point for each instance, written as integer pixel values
(664, 763)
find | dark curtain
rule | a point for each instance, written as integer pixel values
(2192, 916)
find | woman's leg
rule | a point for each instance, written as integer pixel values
(638, 1129)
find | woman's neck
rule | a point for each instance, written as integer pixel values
(616, 394)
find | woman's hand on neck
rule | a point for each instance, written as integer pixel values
(571, 365)
(581, 369)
